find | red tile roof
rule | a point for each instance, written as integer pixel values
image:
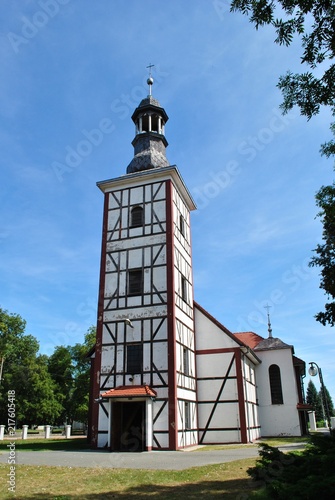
(251, 339)
(130, 391)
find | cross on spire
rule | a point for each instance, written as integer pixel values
(149, 68)
(150, 80)
(267, 307)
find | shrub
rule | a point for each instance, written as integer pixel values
(306, 475)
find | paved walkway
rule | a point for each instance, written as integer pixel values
(163, 460)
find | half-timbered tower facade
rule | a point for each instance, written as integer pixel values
(166, 374)
(145, 352)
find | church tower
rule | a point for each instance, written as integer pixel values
(144, 379)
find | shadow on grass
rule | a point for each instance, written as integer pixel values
(48, 444)
(230, 489)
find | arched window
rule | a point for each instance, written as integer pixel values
(275, 385)
(136, 217)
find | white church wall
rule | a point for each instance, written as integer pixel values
(278, 419)
(209, 335)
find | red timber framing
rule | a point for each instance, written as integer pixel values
(173, 437)
(95, 381)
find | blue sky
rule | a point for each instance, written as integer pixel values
(72, 74)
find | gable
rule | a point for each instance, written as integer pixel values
(210, 333)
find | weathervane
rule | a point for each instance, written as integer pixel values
(267, 307)
(150, 80)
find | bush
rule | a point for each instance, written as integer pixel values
(307, 475)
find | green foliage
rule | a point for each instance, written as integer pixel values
(313, 22)
(25, 373)
(47, 390)
(70, 370)
(305, 476)
(313, 398)
(325, 252)
(329, 402)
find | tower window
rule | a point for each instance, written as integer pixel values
(184, 288)
(275, 385)
(154, 123)
(186, 366)
(187, 415)
(182, 225)
(135, 282)
(136, 217)
(134, 358)
(145, 123)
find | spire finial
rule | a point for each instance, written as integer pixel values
(150, 80)
(269, 322)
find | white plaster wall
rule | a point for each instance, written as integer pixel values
(277, 420)
(218, 437)
(209, 335)
(215, 365)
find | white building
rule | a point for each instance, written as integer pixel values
(165, 373)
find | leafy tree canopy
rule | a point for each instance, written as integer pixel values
(313, 22)
(325, 252)
(26, 373)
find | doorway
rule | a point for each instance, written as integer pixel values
(128, 426)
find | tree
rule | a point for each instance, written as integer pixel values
(313, 21)
(329, 401)
(25, 373)
(80, 397)
(37, 402)
(313, 398)
(61, 371)
(70, 370)
(325, 253)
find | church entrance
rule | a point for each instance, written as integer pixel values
(128, 426)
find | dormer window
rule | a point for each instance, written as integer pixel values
(136, 217)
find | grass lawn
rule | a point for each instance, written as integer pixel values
(76, 483)
(275, 441)
(69, 483)
(40, 444)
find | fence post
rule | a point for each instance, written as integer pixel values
(312, 421)
(24, 431)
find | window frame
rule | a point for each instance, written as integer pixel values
(135, 284)
(187, 408)
(186, 362)
(184, 288)
(137, 212)
(134, 359)
(276, 389)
